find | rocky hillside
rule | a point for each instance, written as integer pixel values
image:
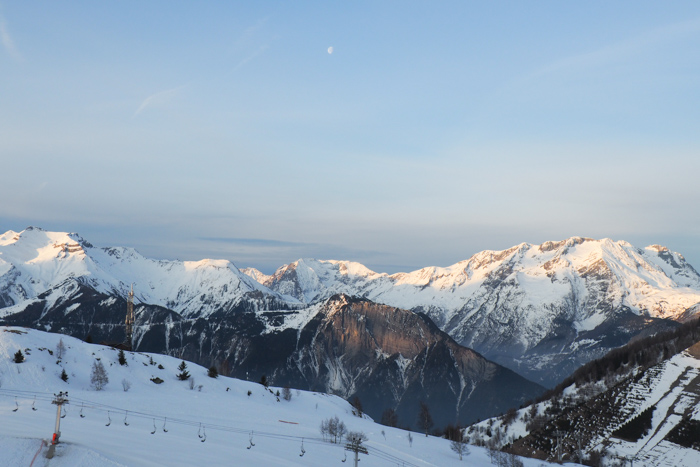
(621, 408)
(393, 359)
(542, 310)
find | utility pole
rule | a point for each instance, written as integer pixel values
(129, 323)
(355, 445)
(59, 399)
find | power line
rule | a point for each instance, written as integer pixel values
(105, 408)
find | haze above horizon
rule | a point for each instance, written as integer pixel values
(396, 134)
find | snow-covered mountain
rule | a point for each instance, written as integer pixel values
(342, 345)
(541, 310)
(145, 416)
(36, 263)
(635, 410)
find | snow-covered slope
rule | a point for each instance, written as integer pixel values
(522, 305)
(35, 262)
(220, 421)
(653, 281)
(541, 310)
(637, 410)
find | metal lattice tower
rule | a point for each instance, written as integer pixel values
(130, 318)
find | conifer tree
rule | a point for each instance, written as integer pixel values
(122, 357)
(184, 375)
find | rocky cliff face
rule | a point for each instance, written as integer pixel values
(542, 310)
(393, 358)
(389, 358)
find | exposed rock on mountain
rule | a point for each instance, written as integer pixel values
(389, 358)
(639, 402)
(542, 310)
(392, 358)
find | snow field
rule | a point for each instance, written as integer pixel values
(229, 417)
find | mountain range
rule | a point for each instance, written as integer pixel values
(540, 310)
(388, 357)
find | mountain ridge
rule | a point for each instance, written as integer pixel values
(541, 310)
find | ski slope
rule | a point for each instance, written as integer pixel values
(215, 423)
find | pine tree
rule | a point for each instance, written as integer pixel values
(358, 406)
(19, 356)
(184, 375)
(98, 378)
(64, 375)
(213, 372)
(122, 357)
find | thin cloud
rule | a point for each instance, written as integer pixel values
(248, 33)
(158, 99)
(252, 56)
(7, 41)
(620, 50)
(261, 242)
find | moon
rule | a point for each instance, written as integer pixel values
(330, 50)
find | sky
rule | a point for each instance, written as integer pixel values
(433, 131)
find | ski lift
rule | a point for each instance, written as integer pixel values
(204, 434)
(63, 407)
(81, 410)
(199, 431)
(303, 451)
(34, 408)
(125, 415)
(164, 420)
(154, 427)
(16, 405)
(345, 458)
(250, 440)
(109, 419)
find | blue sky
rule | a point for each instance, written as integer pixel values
(433, 131)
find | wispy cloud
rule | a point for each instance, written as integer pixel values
(158, 99)
(260, 242)
(622, 49)
(252, 56)
(250, 31)
(7, 41)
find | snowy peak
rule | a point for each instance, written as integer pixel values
(308, 280)
(256, 275)
(34, 261)
(542, 300)
(644, 278)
